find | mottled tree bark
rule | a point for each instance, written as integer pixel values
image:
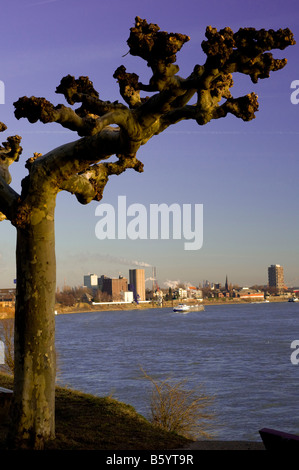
(33, 410)
(81, 168)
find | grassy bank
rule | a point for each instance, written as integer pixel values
(86, 422)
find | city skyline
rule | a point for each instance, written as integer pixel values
(244, 174)
(275, 278)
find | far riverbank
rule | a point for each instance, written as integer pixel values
(8, 312)
(149, 305)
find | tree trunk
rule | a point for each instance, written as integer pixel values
(33, 410)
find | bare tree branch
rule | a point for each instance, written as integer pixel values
(90, 185)
(158, 49)
(116, 129)
(8, 201)
(243, 107)
(9, 153)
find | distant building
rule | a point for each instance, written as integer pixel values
(128, 297)
(7, 297)
(246, 293)
(275, 276)
(182, 293)
(194, 293)
(91, 281)
(137, 283)
(101, 281)
(115, 287)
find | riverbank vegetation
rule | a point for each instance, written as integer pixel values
(86, 422)
(177, 408)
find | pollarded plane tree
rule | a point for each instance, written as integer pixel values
(111, 133)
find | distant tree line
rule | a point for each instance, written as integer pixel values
(70, 296)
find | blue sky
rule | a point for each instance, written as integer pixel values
(244, 174)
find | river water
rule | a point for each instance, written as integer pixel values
(241, 354)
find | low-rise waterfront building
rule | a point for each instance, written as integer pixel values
(7, 297)
(115, 287)
(246, 293)
(194, 293)
(128, 297)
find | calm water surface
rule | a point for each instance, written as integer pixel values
(240, 353)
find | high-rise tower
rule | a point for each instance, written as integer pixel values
(275, 276)
(137, 282)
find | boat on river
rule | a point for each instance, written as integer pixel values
(293, 299)
(183, 308)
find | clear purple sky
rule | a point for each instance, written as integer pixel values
(244, 174)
